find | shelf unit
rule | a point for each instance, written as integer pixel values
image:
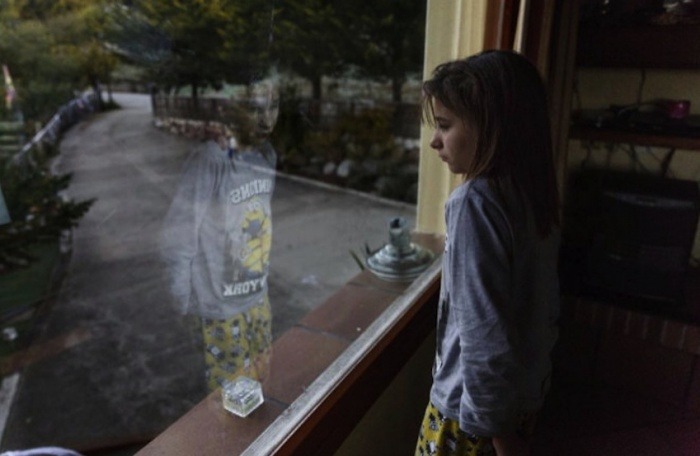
(668, 47)
(640, 46)
(644, 47)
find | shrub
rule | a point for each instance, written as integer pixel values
(38, 210)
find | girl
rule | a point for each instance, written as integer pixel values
(217, 237)
(499, 295)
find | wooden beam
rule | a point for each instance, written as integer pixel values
(501, 24)
(560, 81)
(537, 33)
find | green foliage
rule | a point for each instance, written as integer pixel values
(356, 137)
(196, 43)
(43, 9)
(23, 291)
(37, 209)
(22, 45)
(365, 139)
(66, 44)
(311, 38)
(52, 49)
(390, 39)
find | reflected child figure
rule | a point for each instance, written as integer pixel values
(217, 236)
(499, 298)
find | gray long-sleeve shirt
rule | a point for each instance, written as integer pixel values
(217, 234)
(499, 304)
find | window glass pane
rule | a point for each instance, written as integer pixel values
(184, 182)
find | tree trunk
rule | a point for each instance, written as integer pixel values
(110, 98)
(396, 86)
(98, 93)
(316, 83)
(195, 95)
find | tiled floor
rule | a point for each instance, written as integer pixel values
(580, 420)
(626, 383)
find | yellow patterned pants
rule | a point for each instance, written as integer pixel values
(441, 436)
(239, 345)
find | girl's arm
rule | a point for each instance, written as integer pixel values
(480, 295)
(179, 237)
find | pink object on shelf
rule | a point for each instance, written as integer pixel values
(675, 109)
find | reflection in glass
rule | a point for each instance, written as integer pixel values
(4, 215)
(217, 237)
(118, 362)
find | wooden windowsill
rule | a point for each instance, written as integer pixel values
(324, 372)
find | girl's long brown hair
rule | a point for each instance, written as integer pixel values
(502, 96)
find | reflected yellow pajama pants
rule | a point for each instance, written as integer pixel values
(239, 345)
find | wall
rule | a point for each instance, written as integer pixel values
(454, 29)
(391, 425)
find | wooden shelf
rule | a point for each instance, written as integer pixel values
(640, 46)
(630, 137)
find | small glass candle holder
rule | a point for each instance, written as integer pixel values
(241, 396)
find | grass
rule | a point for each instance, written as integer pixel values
(23, 290)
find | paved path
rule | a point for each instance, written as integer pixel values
(130, 366)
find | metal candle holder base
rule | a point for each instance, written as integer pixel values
(400, 260)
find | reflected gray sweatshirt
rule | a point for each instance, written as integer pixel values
(499, 303)
(217, 234)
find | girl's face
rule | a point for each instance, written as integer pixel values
(264, 104)
(454, 140)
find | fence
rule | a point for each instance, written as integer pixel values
(320, 114)
(11, 137)
(66, 116)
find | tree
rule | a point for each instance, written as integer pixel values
(248, 48)
(197, 43)
(43, 81)
(53, 49)
(38, 212)
(44, 9)
(79, 32)
(390, 36)
(310, 38)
